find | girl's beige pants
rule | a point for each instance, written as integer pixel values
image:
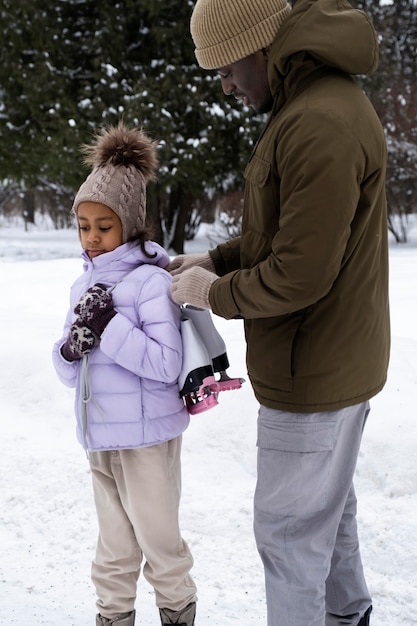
(137, 495)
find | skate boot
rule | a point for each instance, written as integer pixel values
(125, 619)
(185, 617)
(215, 347)
(197, 377)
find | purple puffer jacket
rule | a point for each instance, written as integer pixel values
(127, 391)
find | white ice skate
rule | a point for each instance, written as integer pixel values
(204, 356)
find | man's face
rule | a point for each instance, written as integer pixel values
(247, 80)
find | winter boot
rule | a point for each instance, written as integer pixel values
(215, 346)
(125, 619)
(185, 617)
(365, 619)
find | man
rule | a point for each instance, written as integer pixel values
(309, 276)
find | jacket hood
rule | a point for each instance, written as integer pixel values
(330, 31)
(128, 256)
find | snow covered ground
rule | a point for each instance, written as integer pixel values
(47, 519)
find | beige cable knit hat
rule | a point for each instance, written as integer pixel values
(123, 160)
(225, 31)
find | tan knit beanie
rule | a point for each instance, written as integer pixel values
(123, 161)
(225, 31)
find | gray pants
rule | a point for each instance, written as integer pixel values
(305, 516)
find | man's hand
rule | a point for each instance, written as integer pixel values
(192, 286)
(183, 262)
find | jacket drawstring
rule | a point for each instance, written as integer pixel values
(85, 392)
(85, 397)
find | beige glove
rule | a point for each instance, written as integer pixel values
(192, 287)
(184, 262)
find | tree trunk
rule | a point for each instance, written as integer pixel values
(153, 212)
(29, 207)
(183, 213)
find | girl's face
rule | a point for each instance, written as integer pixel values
(99, 227)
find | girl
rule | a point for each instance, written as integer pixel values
(122, 351)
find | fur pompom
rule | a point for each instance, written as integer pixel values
(121, 145)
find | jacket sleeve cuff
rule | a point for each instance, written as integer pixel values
(221, 298)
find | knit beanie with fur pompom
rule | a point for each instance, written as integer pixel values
(123, 161)
(225, 31)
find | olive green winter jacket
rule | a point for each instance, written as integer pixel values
(309, 273)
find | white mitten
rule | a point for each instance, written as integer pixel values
(192, 287)
(183, 262)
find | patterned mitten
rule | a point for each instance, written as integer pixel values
(95, 308)
(81, 340)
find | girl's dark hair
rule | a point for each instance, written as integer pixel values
(143, 237)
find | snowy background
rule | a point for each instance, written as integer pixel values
(47, 519)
